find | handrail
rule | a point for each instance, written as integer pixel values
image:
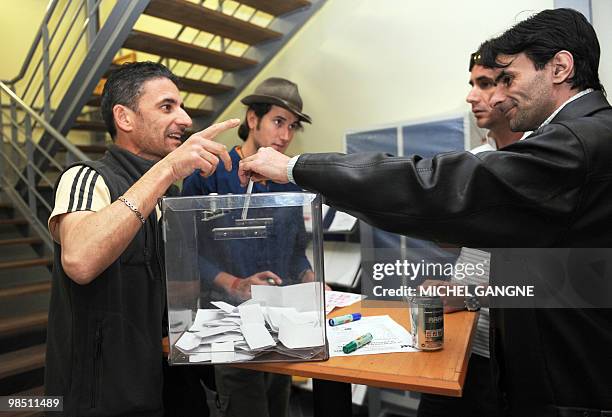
(40, 60)
(26, 63)
(47, 127)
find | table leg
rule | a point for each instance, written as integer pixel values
(332, 398)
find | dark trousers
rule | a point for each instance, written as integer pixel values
(183, 393)
(246, 393)
(479, 399)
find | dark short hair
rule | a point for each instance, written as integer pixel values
(124, 86)
(260, 109)
(476, 57)
(542, 35)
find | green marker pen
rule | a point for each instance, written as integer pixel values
(357, 343)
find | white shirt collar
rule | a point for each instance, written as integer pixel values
(572, 98)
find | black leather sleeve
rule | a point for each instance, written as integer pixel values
(521, 196)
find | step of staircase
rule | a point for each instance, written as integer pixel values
(13, 222)
(26, 289)
(22, 360)
(21, 241)
(26, 263)
(275, 7)
(171, 48)
(187, 84)
(192, 112)
(211, 21)
(12, 326)
(89, 125)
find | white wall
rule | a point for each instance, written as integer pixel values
(602, 22)
(360, 63)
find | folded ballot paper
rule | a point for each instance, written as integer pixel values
(276, 324)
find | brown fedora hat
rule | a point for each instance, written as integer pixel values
(280, 92)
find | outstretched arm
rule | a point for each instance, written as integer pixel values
(91, 241)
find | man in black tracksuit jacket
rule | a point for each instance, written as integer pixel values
(551, 190)
(104, 339)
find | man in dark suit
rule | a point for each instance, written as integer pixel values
(550, 190)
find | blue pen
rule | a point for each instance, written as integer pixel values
(344, 319)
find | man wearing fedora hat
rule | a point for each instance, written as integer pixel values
(273, 116)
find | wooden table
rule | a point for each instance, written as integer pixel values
(438, 372)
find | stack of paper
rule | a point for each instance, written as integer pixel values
(286, 320)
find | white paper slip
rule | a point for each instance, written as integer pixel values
(268, 295)
(223, 337)
(243, 356)
(251, 313)
(387, 336)
(304, 317)
(228, 308)
(242, 346)
(201, 349)
(274, 315)
(249, 301)
(211, 331)
(200, 357)
(342, 222)
(257, 336)
(222, 352)
(302, 297)
(204, 316)
(296, 336)
(188, 341)
(219, 323)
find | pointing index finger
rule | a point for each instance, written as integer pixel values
(212, 131)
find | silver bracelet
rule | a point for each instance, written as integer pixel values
(133, 208)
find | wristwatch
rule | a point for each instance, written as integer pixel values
(472, 303)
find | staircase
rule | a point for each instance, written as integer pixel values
(216, 48)
(25, 281)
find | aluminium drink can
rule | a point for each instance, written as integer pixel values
(427, 322)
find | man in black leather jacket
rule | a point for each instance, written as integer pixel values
(550, 190)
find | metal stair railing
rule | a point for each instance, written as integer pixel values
(57, 32)
(17, 161)
(79, 74)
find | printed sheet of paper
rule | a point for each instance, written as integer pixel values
(388, 336)
(335, 299)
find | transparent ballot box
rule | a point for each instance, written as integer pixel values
(244, 276)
